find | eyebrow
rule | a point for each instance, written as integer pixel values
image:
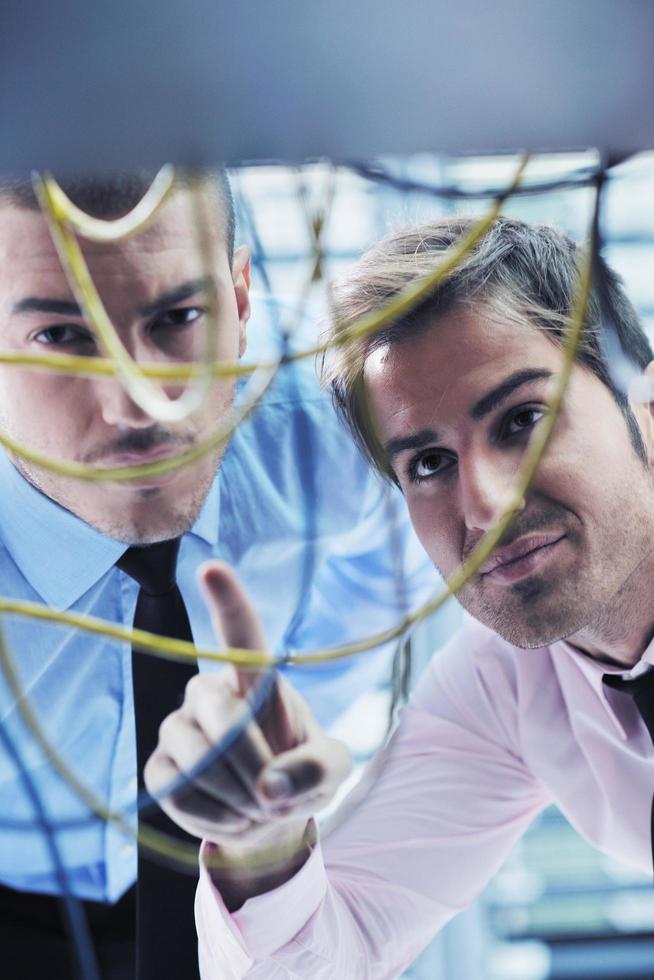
(66, 307)
(501, 392)
(34, 304)
(177, 295)
(486, 404)
(415, 441)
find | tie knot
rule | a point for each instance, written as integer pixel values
(641, 689)
(153, 566)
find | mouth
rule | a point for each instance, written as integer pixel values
(521, 558)
(136, 456)
(140, 458)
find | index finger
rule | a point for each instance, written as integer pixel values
(233, 616)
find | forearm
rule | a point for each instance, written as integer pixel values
(415, 848)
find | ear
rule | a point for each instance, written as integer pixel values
(641, 400)
(241, 280)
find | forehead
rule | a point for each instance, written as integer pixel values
(29, 262)
(437, 376)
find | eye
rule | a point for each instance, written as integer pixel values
(64, 335)
(432, 462)
(181, 316)
(520, 420)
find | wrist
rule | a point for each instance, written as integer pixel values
(243, 870)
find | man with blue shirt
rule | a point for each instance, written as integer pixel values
(293, 509)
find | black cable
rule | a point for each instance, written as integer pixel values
(74, 917)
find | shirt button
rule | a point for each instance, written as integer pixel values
(132, 786)
(127, 851)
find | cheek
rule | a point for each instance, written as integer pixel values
(580, 471)
(216, 405)
(42, 409)
(226, 329)
(436, 529)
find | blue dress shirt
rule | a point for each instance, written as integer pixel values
(324, 550)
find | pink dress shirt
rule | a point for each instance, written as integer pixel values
(492, 735)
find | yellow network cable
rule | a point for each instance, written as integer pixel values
(364, 326)
(153, 840)
(261, 379)
(63, 218)
(396, 307)
(92, 367)
(537, 445)
(111, 230)
(256, 659)
(167, 647)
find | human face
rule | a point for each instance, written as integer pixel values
(454, 408)
(154, 289)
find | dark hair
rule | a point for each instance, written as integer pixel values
(112, 195)
(525, 272)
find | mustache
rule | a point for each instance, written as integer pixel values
(542, 520)
(139, 441)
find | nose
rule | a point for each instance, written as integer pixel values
(117, 408)
(486, 488)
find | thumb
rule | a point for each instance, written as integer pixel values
(234, 617)
(317, 767)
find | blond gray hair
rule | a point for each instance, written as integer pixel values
(522, 272)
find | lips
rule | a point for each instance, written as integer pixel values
(138, 457)
(519, 550)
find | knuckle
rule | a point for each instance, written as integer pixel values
(190, 804)
(169, 729)
(149, 772)
(157, 771)
(307, 775)
(341, 755)
(206, 688)
(194, 687)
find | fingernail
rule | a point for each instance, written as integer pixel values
(210, 577)
(277, 785)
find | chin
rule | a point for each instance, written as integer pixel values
(154, 516)
(529, 622)
(145, 515)
(529, 639)
(145, 531)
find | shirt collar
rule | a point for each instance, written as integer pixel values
(206, 525)
(594, 671)
(60, 555)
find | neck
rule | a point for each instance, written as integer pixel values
(624, 626)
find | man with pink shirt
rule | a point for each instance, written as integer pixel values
(522, 708)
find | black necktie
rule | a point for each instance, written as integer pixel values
(641, 689)
(166, 939)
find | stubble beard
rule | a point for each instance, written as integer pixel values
(591, 596)
(163, 514)
(531, 615)
(532, 611)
